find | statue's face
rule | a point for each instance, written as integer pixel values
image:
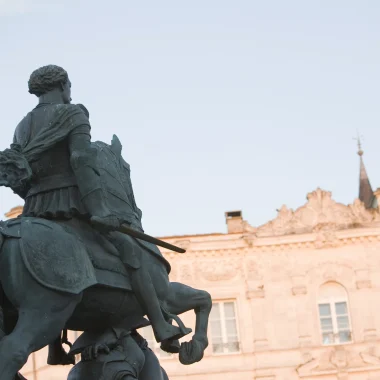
(66, 92)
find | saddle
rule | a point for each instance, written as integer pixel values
(68, 256)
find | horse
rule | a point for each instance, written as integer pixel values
(65, 275)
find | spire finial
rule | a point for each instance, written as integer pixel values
(365, 190)
(359, 141)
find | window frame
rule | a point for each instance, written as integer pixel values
(223, 328)
(332, 301)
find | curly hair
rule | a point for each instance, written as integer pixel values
(46, 78)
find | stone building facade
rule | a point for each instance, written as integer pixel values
(296, 298)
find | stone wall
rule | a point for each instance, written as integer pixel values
(276, 276)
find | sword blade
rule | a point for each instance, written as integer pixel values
(150, 239)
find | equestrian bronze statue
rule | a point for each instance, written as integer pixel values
(78, 258)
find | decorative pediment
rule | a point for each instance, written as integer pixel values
(339, 359)
(320, 213)
(220, 270)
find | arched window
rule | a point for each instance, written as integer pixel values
(334, 314)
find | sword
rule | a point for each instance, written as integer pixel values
(150, 239)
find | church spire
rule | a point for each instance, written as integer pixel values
(365, 190)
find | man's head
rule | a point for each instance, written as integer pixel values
(50, 78)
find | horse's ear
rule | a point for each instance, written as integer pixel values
(116, 145)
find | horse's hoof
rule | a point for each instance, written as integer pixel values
(170, 346)
(191, 352)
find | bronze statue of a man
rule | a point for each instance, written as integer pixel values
(65, 183)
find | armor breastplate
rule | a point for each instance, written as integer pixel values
(53, 170)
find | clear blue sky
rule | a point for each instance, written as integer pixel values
(220, 105)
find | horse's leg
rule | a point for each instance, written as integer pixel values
(42, 316)
(148, 297)
(182, 298)
(3, 334)
(162, 288)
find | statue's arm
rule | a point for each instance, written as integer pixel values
(83, 159)
(80, 139)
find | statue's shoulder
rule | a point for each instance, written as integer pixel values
(77, 109)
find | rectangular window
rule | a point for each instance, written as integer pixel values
(147, 333)
(224, 334)
(335, 323)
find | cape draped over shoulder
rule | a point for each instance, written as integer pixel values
(15, 171)
(67, 118)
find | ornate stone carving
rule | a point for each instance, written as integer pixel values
(371, 355)
(326, 239)
(221, 270)
(320, 213)
(252, 270)
(339, 360)
(186, 273)
(333, 271)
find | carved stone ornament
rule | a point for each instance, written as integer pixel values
(320, 213)
(338, 271)
(339, 360)
(326, 239)
(221, 270)
(186, 272)
(252, 270)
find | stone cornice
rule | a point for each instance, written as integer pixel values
(239, 244)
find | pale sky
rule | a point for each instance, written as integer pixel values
(220, 105)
